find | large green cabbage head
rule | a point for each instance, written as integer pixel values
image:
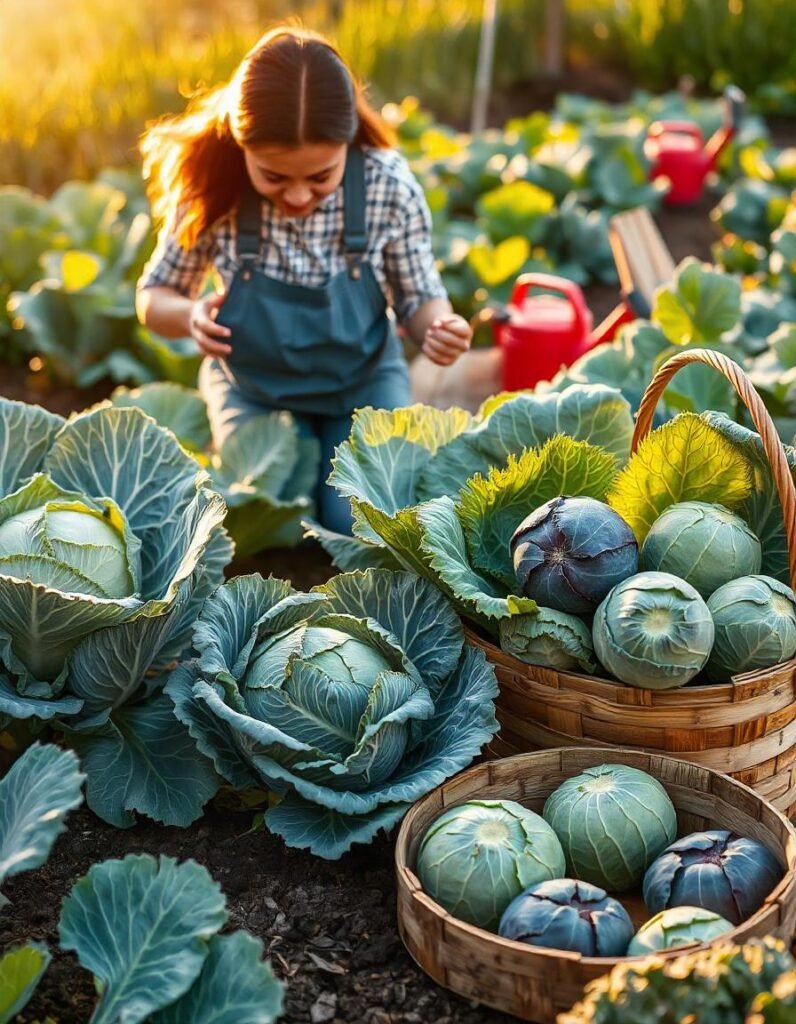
(653, 631)
(755, 622)
(109, 543)
(353, 700)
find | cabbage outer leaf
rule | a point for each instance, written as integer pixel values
(443, 543)
(142, 927)
(180, 410)
(143, 760)
(687, 459)
(490, 509)
(510, 423)
(21, 970)
(700, 304)
(36, 794)
(26, 435)
(351, 554)
(235, 987)
(328, 833)
(549, 638)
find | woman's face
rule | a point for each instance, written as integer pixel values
(296, 178)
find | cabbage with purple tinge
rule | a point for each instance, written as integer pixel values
(571, 552)
(717, 870)
(571, 915)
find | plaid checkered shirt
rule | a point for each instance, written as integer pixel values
(310, 251)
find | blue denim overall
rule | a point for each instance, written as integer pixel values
(321, 352)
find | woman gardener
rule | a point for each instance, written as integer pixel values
(285, 181)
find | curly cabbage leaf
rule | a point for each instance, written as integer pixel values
(686, 459)
(443, 492)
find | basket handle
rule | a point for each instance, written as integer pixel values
(760, 417)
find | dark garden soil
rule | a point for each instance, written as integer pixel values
(329, 928)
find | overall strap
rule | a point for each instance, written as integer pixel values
(355, 237)
(249, 223)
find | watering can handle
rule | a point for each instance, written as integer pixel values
(552, 283)
(658, 128)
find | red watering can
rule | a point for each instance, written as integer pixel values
(678, 151)
(538, 334)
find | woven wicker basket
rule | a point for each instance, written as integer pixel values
(533, 983)
(746, 727)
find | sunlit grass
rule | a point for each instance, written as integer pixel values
(79, 79)
(749, 42)
(87, 75)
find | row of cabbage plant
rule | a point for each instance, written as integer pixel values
(702, 307)
(350, 701)
(534, 196)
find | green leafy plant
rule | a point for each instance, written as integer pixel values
(36, 794)
(67, 284)
(265, 470)
(85, 633)
(443, 492)
(127, 919)
(715, 986)
(351, 701)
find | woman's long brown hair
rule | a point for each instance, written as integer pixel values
(292, 88)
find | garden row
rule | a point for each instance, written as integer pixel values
(536, 196)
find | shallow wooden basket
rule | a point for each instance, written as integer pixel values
(746, 728)
(533, 983)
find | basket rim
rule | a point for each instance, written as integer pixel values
(736, 683)
(409, 882)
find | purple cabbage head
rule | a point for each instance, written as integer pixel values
(571, 915)
(716, 870)
(571, 552)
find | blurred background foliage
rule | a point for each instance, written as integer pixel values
(82, 77)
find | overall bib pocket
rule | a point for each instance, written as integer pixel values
(300, 348)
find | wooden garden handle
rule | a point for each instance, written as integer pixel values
(760, 417)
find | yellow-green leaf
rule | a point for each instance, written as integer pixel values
(418, 424)
(684, 460)
(21, 969)
(439, 145)
(79, 269)
(497, 264)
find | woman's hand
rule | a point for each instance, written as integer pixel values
(204, 329)
(446, 339)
